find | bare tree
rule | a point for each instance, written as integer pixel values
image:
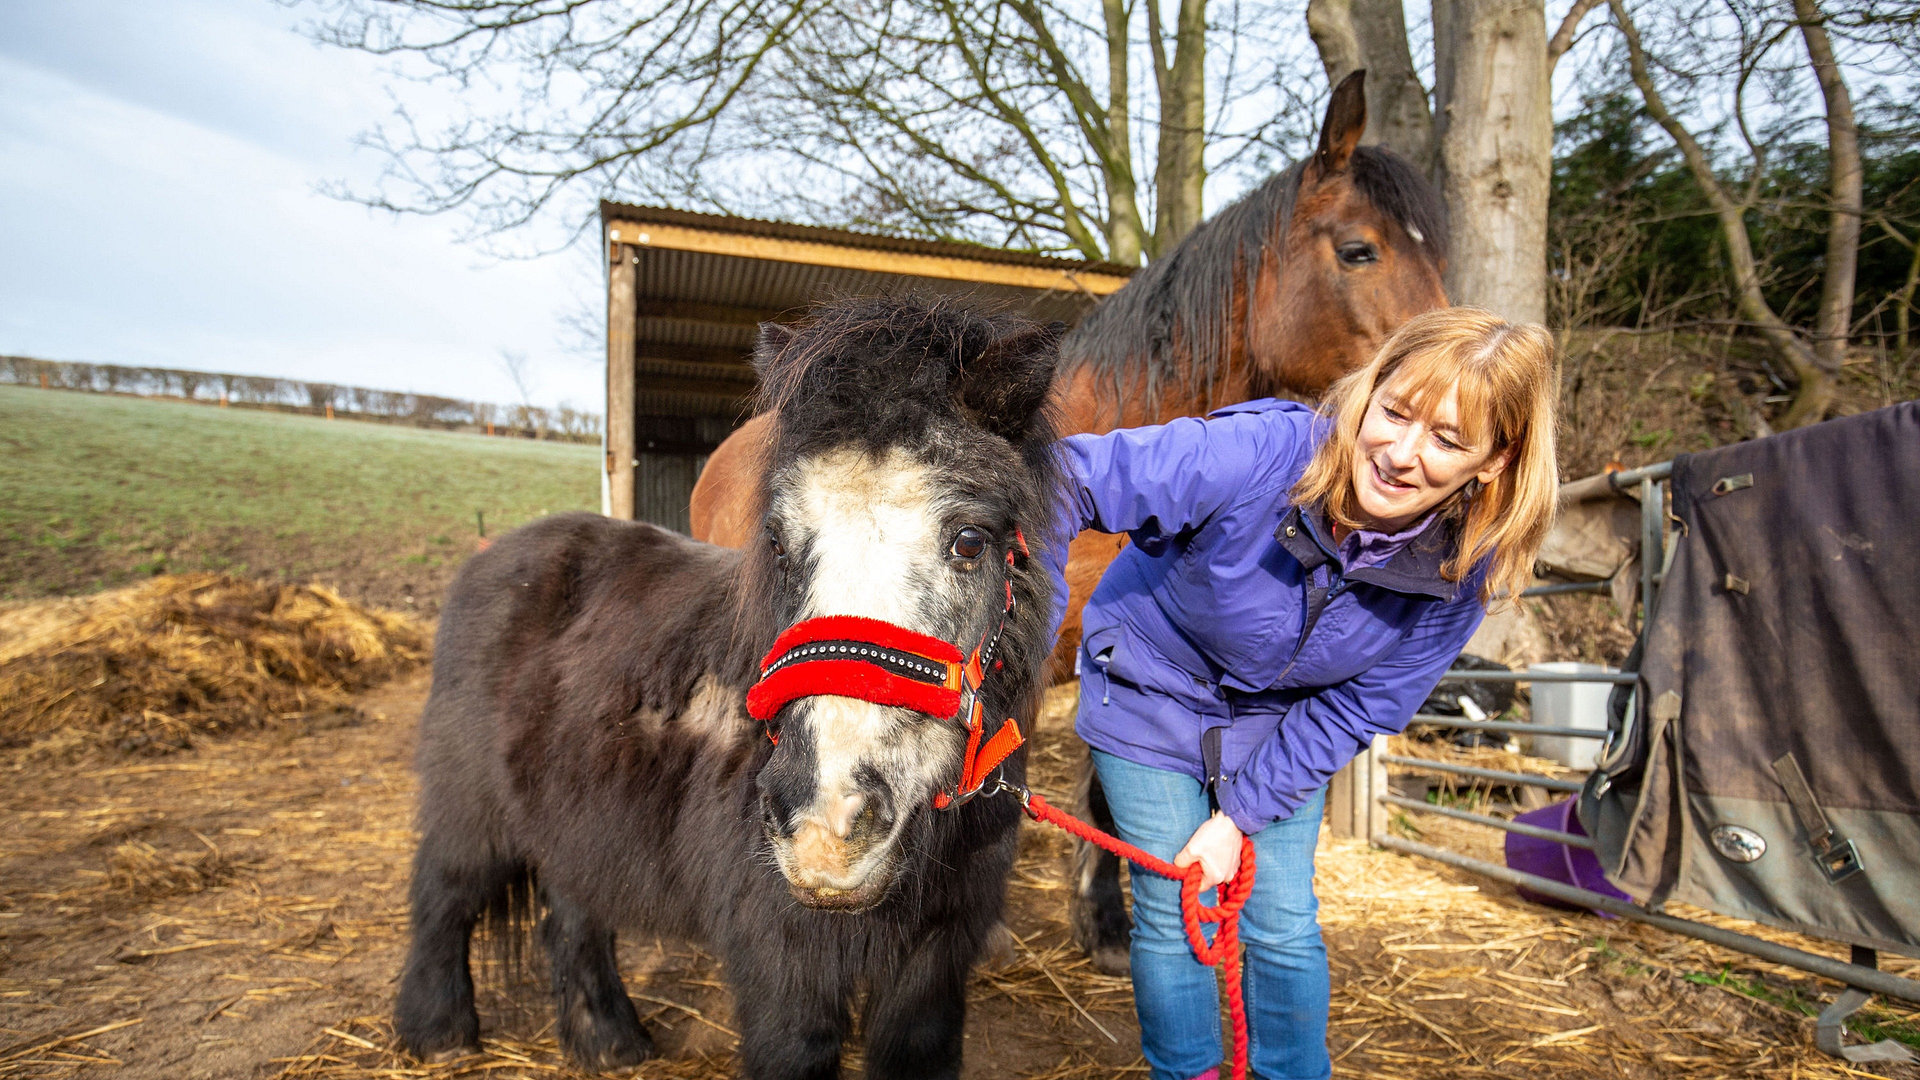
(514, 363)
(1016, 122)
(1814, 364)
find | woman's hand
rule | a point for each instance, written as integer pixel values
(1215, 845)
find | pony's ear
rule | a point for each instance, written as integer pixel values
(1005, 386)
(773, 340)
(1345, 122)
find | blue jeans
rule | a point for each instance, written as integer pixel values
(1176, 997)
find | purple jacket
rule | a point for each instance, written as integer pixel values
(1232, 640)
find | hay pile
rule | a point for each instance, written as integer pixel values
(148, 666)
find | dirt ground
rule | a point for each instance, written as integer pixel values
(239, 911)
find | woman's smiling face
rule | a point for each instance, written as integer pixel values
(1408, 461)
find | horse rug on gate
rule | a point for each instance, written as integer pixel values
(1768, 767)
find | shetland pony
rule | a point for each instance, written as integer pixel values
(588, 746)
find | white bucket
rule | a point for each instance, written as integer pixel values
(1571, 704)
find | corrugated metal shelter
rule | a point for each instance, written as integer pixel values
(686, 293)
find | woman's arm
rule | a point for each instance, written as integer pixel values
(1160, 482)
(1320, 734)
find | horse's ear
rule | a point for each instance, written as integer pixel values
(1005, 386)
(1346, 121)
(773, 340)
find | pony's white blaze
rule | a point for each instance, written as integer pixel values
(872, 529)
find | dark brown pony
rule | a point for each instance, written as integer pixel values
(586, 749)
(1279, 294)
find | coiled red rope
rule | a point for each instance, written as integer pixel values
(1224, 952)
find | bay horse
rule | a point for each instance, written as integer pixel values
(1280, 293)
(601, 741)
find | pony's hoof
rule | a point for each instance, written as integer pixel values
(1112, 960)
(607, 1045)
(438, 1032)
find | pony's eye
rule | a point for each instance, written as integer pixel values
(779, 549)
(969, 543)
(1357, 253)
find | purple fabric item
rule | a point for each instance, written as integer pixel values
(1362, 548)
(1230, 641)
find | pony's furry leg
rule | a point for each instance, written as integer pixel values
(1097, 909)
(916, 1014)
(435, 1013)
(790, 1003)
(596, 1021)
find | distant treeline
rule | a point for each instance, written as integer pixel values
(317, 398)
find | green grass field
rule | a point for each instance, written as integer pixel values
(96, 491)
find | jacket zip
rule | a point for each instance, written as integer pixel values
(1319, 598)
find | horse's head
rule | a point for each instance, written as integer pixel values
(1284, 291)
(910, 449)
(1363, 251)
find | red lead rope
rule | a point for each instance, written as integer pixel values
(1225, 951)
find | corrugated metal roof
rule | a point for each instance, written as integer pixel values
(698, 311)
(782, 230)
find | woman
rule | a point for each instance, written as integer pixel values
(1296, 585)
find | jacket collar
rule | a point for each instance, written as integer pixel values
(1413, 570)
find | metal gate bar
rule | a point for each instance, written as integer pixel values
(1567, 786)
(1520, 827)
(1624, 678)
(1866, 978)
(1518, 727)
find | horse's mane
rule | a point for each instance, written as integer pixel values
(1188, 293)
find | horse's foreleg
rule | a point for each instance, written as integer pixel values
(596, 1021)
(1097, 910)
(790, 1002)
(916, 1014)
(435, 1013)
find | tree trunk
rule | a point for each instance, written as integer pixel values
(1124, 229)
(1353, 35)
(1493, 129)
(1815, 387)
(1835, 319)
(1181, 170)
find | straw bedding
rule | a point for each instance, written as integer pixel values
(149, 666)
(240, 911)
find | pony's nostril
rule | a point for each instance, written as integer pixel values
(848, 815)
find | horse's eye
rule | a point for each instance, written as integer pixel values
(1357, 253)
(779, 549)
(969, 543)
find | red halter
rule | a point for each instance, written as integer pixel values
(876, 661)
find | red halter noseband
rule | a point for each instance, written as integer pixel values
(872, 660)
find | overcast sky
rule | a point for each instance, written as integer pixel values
(159, 166)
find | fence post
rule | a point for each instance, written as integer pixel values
(1340, 801)
(1352, 809)
(1376, 814)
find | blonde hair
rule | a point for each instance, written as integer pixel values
(1508, 381)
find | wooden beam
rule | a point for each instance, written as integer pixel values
(735, 377)
(718, 355)
(812, 253)
(621, 340)
(722, 314)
